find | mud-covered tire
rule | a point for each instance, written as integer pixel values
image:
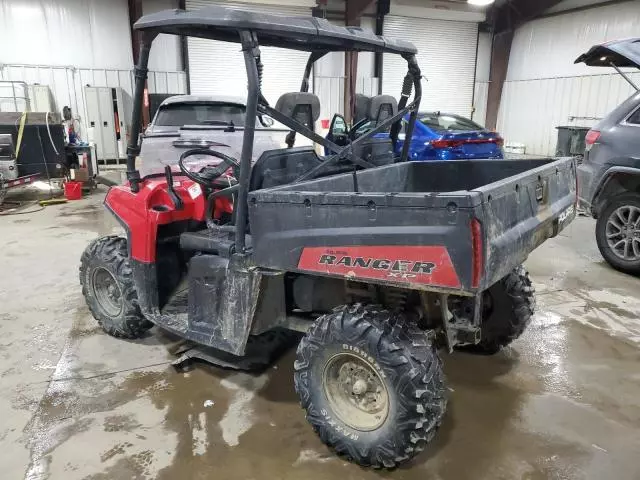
(407, 365)
(624, 201)
(511, 304)
(118, 313)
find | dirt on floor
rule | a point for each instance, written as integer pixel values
(561, 403)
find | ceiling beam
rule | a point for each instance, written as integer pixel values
(510, 14)
(353, 11)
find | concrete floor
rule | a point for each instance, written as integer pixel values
(561, 403)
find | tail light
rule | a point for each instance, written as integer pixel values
(591, 137)
(447, 143)
(476, 253)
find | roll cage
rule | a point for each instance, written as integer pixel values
(315, 35)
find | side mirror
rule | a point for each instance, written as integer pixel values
(266, 121)
(338, 125)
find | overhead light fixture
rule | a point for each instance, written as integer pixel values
(480, 3)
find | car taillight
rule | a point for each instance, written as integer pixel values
(592, 137)
(476, 253)
(446, 143)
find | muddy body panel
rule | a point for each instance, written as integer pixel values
(456, 226)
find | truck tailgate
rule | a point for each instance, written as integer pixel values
(456, 226)
(522, 211)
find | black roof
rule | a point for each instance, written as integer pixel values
(299, 33)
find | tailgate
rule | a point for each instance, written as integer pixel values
(520, 212)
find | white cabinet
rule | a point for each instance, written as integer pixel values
(108, 118)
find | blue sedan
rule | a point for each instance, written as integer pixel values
(445, 136)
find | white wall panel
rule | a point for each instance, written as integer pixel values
(570, 4)
(544, 88)
(480, 97)
(481, 87)
(366, 60)
(531, 109)
(165, 52)
(84, 33)
(547, 47)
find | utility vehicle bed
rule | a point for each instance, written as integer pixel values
(450, 225)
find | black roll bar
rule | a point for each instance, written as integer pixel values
(311, 135)
(349, 148)
(414, 73)
(140, 73)
(251, 53)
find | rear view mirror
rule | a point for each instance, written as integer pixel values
(338, 125)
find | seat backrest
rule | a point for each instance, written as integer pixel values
(303, 107)
(362, 108)
(282, 166)
(375, 150)
(382, 107)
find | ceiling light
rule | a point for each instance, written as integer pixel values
(480, 3)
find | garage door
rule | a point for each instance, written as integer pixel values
(217, 68)
(447, 58)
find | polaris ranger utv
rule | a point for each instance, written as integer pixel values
(377, 260)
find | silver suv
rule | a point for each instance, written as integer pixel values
(609, 177)
(180, 110)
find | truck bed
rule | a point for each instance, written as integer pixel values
(457, 226)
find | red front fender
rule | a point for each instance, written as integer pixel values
(141, 213)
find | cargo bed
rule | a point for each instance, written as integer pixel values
(457, 226)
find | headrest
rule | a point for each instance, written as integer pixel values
(301, 106)
(382, 107)
(362, 107)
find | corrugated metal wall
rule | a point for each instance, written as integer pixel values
(446, 55)
(166, 54)
(481, 86)
(66, 83)
(545, 89)
(283, 68)
(86, 34)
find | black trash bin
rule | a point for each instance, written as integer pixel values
(571, 141)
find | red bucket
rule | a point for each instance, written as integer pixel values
(73, 190)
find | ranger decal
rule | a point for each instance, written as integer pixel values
(405, 264)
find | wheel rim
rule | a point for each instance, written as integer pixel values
(356, 392)
(623, 232)
(107, 292)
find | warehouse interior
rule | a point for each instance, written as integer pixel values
(560, 402)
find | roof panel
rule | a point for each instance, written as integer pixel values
(300, 33)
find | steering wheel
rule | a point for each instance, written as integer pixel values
(208, 175)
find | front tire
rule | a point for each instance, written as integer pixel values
(109, 290)
(618, 232)
(371, 384)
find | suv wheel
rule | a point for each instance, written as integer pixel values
(618, 232)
